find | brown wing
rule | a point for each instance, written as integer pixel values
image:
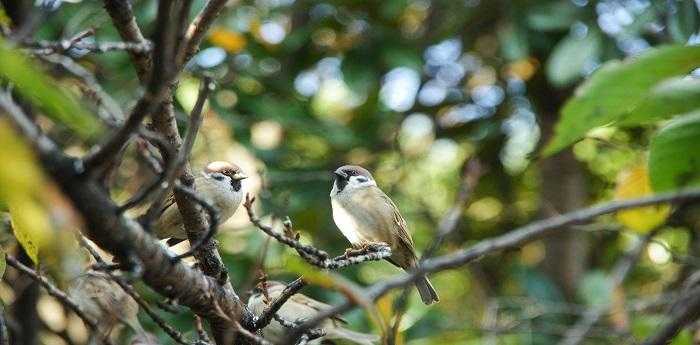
(168, 202)
(399, 222)
(315, 305)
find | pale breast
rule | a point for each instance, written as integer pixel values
(345, 222)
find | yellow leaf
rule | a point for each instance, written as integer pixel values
(21, 184)
(231, 41)
(634, 183)
(30, 224)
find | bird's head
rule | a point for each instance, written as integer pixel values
(226, 173)
(352, 177)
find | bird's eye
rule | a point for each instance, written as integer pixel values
(218, 177)
(361, 179)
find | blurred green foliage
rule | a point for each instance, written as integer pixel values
(412, 89)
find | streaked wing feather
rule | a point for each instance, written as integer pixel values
(399, 221)
(315, 305)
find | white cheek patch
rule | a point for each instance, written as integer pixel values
(345, 222)
(360, 181)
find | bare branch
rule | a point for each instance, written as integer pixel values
(123, 18)
(44, 47)
(200, 25)
(53, 291)
(173, 169)
(310, 253)
(169, 330)
(268, 314)
(115, 115)
(211, 230)
(156, 90)
(689, 312)
(516, 237)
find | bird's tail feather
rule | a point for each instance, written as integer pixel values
(352, 336)
(426, 291)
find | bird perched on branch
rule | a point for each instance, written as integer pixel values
(220, 183)
(300, 308)
(105, 302)
(365, 215)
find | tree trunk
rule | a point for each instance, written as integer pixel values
(563, 190)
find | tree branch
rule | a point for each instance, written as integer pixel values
(310, 253)
(169, 330)
(514, 238)
(53, 291)
(271, 310)
(162, 75)
(195, 32)
(123, 18)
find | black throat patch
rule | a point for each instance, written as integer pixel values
(340, 183)
(236, 185)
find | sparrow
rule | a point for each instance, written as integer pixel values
(365, 215)
(300, 308)
(221, 183)
(104, 301)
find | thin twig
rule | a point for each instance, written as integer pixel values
(252, 336)
(689, 313)
(173, 167)
(310, 253)
(61, 47)
(115, 114)
(177, 336)
(123, 19)
(162, 75)
(471, 173)
(213, 221)
(271, 310)
(195, 32)
(514, 238)
(53, 291)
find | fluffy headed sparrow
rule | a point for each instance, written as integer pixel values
(104, 301)
(220, 183)
(300, 308)
(365, 215)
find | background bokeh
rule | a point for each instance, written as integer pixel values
(412, 90)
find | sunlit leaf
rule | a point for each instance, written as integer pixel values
(674, 158)
(20, 185)
(233, 42)
(617, 88)
(55, 101)
(670, 97)
(570, 56)
(634, 183)
(30, 224)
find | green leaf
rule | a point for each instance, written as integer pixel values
(671, 97)
(674, 158)
(595, 289)
(514, 44)
(567, 62)
(616, 89)
(55, 101)
(557, 15)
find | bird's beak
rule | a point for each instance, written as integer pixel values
(239, 176)
(340, 174)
